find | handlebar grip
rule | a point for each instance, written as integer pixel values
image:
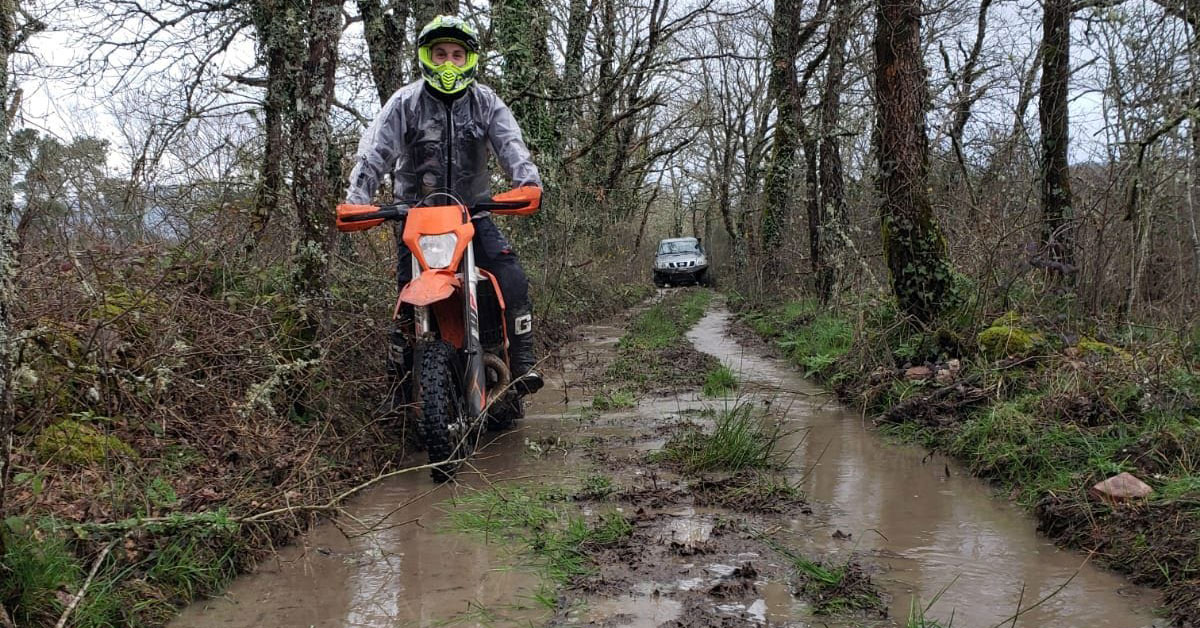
(363, 217)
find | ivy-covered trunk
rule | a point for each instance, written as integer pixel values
(777, 205)
(383, 28)
(317, 166)
(278, 49)
(519, 28)
(425, 10)
(834, 238)
(8, 266)
(1057, 229)
(912, 242)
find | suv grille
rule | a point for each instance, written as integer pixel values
(687, 264)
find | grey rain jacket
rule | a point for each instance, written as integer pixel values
(434, 146)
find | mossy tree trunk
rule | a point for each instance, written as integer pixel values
(519, 30)
(1057, 228)
(779, 191)
(279, 50)
(8, 266)
(317, 164)
(383, 28)
(834, 225)
(425, 10)
(912, 241)
(571, 105)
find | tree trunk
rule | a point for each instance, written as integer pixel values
(572, 83)
(8, 263)
(834, 224)
(812, 186)
(912, 242)
(519, 28)
(777, 204)
(279, 52)
(383, 28)
(425, 10)
(1057, 229)
(965, 97)
(1193, 176)
(316, 163)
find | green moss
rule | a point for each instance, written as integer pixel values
(73, 442)
(1007, 319)
(1090, 346)
(1000, 341)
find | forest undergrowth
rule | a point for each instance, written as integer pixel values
(174, 428)
(1042, 401)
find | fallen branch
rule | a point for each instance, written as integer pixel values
(62, 621)
(960, 394)
(199, 518)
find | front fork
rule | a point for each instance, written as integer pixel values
(474, 380)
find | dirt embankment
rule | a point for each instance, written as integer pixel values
(175, 424)
(1043, 411)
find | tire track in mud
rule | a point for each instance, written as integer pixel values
(696, 553)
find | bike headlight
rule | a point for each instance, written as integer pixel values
(438, 250)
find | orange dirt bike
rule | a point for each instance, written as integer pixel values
(461, 370)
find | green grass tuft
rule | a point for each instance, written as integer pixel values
(741, 439)
(811, 335)
(35, 567)
(557, 543)
(613, 400)
(720, 381)
(833, 589)
(666, 322)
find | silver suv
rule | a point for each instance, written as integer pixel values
(680, 260)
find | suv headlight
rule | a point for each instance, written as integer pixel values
(438, 250)
(702, 261)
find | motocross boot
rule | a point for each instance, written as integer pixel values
(399, 366)
(526, 379)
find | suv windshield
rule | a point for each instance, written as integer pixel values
(668, 248)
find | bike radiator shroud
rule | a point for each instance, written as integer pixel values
(491, 317)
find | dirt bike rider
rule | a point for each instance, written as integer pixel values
(434, 135)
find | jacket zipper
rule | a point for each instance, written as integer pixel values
(449, 146)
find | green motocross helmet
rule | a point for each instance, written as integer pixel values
(447, 77)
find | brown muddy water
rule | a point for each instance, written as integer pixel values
(919, 524)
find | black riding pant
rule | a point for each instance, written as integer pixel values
(494, 254)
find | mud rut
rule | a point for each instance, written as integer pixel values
(918, 524)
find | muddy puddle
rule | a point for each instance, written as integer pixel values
(918, 524)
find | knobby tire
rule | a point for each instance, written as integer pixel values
(440, 406)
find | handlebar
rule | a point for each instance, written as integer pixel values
(520, 201)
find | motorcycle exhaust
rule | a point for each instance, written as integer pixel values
(495, 366)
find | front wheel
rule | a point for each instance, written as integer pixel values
(442, 423)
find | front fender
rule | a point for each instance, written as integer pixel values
(430, 287)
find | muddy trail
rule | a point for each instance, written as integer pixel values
(899, 528)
